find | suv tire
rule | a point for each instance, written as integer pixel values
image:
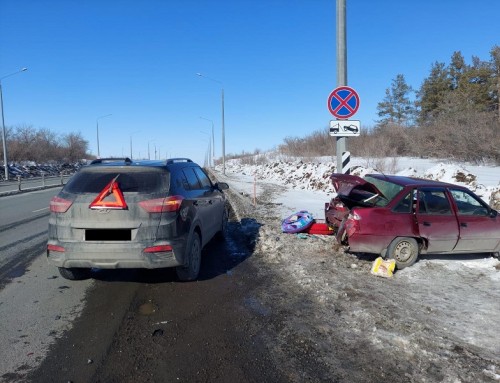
(74, 273)
(190, 271)
(221, 234)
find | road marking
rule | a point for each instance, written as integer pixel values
(36, 211)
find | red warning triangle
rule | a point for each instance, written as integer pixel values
(111, 189)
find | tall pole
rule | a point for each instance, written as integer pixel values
(131, 155)
(212, 145)
(341, 146)
(223, 123)
(4, 136)
(149, 154)
(97, 128)
(223, 138)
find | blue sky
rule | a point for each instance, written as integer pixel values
(137, 60)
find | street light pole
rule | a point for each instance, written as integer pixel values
(223, 123)
(97, 123)
(4, 137)
(131, 143)
(213, 139)
(209, 148)
(149, 155)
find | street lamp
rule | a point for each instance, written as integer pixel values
(5, 161)
(97, 123)
(213, 142)
(206, 161)
(223, 134)
(149, 155)
(209, 148)
(137, 131)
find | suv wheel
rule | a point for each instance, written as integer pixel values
(190, 271)
(74, 273)
(223, 228)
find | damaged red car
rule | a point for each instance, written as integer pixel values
(401, 217)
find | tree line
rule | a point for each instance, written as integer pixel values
(26, 143)
(454, 114)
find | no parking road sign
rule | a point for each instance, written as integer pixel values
(343, 102)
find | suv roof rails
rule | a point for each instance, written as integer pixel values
(101, 160)
(174, 160)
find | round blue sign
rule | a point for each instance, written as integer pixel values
(343, 102)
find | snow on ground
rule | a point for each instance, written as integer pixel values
(435, 321)
(299, 175)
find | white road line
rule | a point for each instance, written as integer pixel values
(36, 211)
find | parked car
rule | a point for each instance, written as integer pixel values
(120, 213)
(402, 217)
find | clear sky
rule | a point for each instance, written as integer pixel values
(137, 60)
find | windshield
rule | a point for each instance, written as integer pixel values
(388, 189)
(131, 180)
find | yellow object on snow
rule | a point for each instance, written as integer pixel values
(383, 268)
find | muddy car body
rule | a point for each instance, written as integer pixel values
(135, 214)
(402, 217)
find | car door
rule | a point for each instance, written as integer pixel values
(200, 202)
(436, 220)
(214, 199)
(479, 229)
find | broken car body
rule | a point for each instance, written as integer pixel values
(401, 217)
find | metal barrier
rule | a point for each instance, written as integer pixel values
(30, 184)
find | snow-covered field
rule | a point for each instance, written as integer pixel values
(435, 321)
(301, 175)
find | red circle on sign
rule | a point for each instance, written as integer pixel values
(343, 102)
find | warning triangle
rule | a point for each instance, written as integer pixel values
(111, 189)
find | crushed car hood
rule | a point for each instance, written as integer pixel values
(343, 184)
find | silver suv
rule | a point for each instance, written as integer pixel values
(120, 213)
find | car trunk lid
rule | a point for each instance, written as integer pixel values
(343, 184)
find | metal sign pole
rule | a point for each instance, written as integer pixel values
(341, 146)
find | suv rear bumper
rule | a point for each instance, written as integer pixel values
(106, 255)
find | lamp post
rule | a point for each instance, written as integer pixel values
(97, 123)
(223, 133)
(213, 142)
(209, 148)
(149, 155)
(4, 138)
(206, 161)
(131, 143)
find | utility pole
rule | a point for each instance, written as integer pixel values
(341, 146)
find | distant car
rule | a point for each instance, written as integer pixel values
(402, 217)
(120, 213)
(351, 128)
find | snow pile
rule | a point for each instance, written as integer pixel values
(315, 176)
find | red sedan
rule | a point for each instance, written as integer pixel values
(402, 217)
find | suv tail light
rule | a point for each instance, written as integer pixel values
(59, 249)
(60, 205)
(160, 205)
(158, 249)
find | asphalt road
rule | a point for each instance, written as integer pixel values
(23, 230)
(127, 325)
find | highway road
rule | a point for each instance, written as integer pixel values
(23, 230)
(126, 325)
(36, 306)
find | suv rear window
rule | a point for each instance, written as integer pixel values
(131, 180)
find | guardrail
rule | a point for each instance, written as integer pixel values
(21, 185)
